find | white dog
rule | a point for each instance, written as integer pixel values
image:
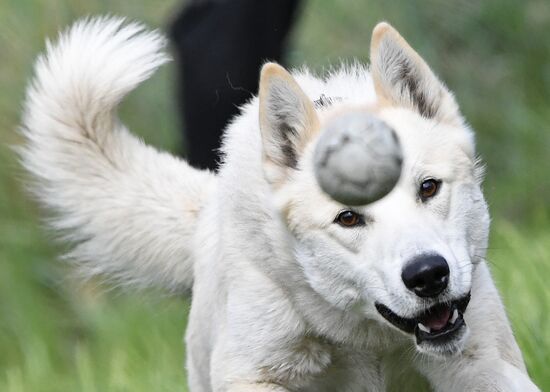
(292, 291)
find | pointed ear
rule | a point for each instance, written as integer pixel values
(287, 121)
(402, 78)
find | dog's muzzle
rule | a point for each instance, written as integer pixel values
(438, 325)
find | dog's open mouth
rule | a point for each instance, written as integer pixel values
(439, 324)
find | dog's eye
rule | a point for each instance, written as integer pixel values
(429, 188)
(349, 219)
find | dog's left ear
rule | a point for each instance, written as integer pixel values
(287, 121)
(402, 78)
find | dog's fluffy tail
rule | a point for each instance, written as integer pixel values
(129, 209)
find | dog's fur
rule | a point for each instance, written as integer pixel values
(283, 298)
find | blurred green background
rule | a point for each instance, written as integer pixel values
(57, 335)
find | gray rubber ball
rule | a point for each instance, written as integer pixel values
(357, 159)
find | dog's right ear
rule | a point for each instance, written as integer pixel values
(287, 121)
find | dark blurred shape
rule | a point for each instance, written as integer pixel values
(220, 47)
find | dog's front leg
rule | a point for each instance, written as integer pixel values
(491, 360)
(264, 344)
(494, 375)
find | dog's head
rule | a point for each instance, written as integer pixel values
(407, 259)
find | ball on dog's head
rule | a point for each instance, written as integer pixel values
(357, 159)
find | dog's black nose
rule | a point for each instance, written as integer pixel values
(426, 275)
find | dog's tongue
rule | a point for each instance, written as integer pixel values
(437, 319)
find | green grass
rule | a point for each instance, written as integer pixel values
(56, 335)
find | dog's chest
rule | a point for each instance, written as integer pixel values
(352, 371)
(349, 373)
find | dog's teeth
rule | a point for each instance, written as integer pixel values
(422, 327)
(455, 316)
